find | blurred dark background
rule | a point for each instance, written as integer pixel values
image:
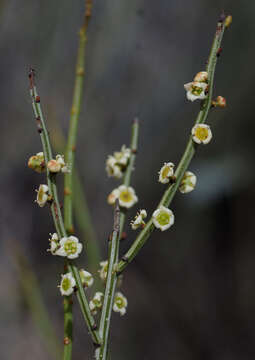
(191, 290)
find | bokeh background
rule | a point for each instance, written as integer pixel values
(191, 290)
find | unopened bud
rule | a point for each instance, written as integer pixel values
(36, 162)
(202, 76)
(54, 166)
(219, 101)
(228, 21)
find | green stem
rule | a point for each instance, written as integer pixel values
(111, 281)
(68, 327)
(55, 206)
(75, 113)
(187, 156)
(69, 158)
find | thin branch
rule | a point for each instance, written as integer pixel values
(70, 150)
(111, 281)
(55, 207)
(75, 113)
(188, 153)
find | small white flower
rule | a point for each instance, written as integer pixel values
(97, 302)
(103, 270)
(127, 196)
(113, 196)
(163, 218)
(42, 195)
(86, 278)
(120, 303)
(122, 156)
(64, 167)
(54, 243)
(201, 133)
(188, 182)
(166, 172)
(67, 284)
(138, 221)
(195, 90)
(57, 165)
(70, 247)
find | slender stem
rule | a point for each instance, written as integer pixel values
(55, 207)
(187, 156)
(75, 113)
(70, 150)
(68, 327)
(111, 281)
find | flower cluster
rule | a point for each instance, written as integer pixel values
(120, 303)
(163, 218)
(68, 283)
(117, 163)
(57, 165)
(166, 173)
(69, 247)
(97, 302)
(125, 194)
(42, 195)
(197, 89)
(201, 134)
(188, 182)
(138, 221)
(37, 163)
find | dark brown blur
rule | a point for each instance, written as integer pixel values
(191, 290)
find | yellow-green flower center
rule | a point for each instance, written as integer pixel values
(66, 284)
(201, 133)
(163, 218)
(40, 194)
(166, 172)
(196, 90)
(70, 247)
(126, 196)
(119, 302)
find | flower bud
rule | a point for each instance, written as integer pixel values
(36, 162)
(228, 21)
(201, 76)
(54, 166)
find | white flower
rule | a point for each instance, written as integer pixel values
(163, 218)
(188, 182)
(42, 195)
(120, 303)
(166, 172)
(138, 221)
(64, 167)
(97, 302)
(127, 196)
(122, 156)
(103, 270)
(69, 247)
(57, 165)
(201, 133)
(67, 284)
(113, 196)
(54, 243)
(86, 278)
(195, 90)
